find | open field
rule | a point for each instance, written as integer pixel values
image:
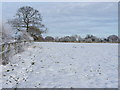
(58, 65)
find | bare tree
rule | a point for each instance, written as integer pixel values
(49, 38)
(113, 38)
(27, 17)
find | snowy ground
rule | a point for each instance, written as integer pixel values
(57, 65)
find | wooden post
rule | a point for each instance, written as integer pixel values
(3, 47)
(9, 47)
(15, 47)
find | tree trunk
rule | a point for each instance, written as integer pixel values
(27, 27)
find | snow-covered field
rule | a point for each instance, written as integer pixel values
(68, 65)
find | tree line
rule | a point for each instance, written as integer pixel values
(76, 38)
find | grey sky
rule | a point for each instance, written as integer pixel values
(65, 18)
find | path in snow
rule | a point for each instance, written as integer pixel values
(57, 65)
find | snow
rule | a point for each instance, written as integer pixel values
(63, 65)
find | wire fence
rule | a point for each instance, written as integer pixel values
(9, 49)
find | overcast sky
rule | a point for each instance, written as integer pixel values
(65, 18)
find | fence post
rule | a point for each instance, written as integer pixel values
(9, 47)
(15, 47)
(3, 47)
(6, 49)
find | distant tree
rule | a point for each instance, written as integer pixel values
(66, 39)
(49, 38)
(80, 39)
(61, 39)
(93, 38)
(88, 36)
(89, 40)
(28, 18)
(76, 37)
(56, 39)
(113, 38)
(105, 40)
(73, 39)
